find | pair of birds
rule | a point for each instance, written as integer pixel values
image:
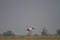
(29, 30)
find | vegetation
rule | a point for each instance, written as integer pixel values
(44, 32)
(58, 32)
(31, 38)
(8, 33)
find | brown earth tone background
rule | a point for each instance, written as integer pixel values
(31, 38)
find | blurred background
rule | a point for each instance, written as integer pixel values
(18, 15)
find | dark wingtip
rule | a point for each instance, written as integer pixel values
(33, 28)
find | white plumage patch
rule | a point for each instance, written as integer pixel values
(30, 28)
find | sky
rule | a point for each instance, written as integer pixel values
(18, 15)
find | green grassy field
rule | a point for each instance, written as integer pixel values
(31, 38)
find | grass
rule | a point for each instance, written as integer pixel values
(31, 38)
